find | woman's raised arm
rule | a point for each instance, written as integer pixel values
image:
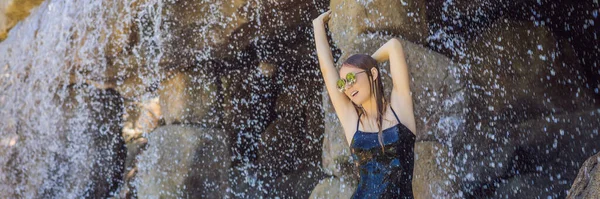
(343, 106)
(401, 100)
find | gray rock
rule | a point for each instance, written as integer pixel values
(227, 27)
(184, 161)
(538, 157)
(434, 174)
(526, 105)
(190, 98)
(587, 183)
(334, 187)
(351, 19)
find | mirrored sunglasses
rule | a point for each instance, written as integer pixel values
(349, 81)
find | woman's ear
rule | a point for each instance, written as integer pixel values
(374, 73)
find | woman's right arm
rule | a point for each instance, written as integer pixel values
(343, 106)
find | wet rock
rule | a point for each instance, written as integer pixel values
(133, 87)
(336, 151)
(521, 71)
(539, 155)
(141, 117)
(276, 153)
(134, 149)
(288, 160)
(120, 24)
(296, 184)
(190, 98)
(108, 151)
(434, 175)
(333, 187)
(184, 161)
(530, 186)
(587, 183)
(350, 19)
(227, 27)
(296, 121)
(248, 107)
(527, 103)
(472, 16)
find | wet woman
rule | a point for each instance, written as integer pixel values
(380, 132)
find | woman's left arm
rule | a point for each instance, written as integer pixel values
(401, 100)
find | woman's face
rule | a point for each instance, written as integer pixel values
(360, 91)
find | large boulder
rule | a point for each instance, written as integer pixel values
(184, 161)
(538, 155)
(587, 183)
(333, 187)
(296, 184)
(351, 18)
(141, 117)
(472, 15)
(518, 67)
(434, 175)
(190, 98)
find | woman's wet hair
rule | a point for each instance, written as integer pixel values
(366, 62)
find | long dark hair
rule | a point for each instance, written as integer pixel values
(366, 62)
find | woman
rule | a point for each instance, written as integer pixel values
(380, 132)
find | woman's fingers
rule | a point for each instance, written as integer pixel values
(323, 17)
(326, 16)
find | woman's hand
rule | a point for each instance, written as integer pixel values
(323, 18)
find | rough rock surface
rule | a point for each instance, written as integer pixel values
(528, 103)
(351, 19)
(189, 98)
(184, 161)
(434, 175)
(334, 187)
(587, 183)
(222, 29)
(521, 71)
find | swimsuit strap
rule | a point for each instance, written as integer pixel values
(395, 114)
(358, 122)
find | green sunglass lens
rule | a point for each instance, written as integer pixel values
(341, 84)
(350, 77)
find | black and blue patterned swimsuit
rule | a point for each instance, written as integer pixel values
(384, 174)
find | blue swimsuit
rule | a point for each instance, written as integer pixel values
(384, 174)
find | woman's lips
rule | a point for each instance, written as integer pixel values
(354, 93)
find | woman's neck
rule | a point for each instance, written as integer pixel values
(370, 108)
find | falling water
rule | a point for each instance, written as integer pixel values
(52, 116)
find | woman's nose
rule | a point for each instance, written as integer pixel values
(348, 85)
